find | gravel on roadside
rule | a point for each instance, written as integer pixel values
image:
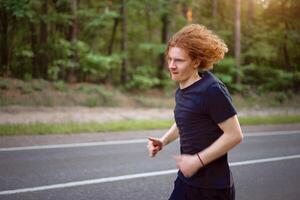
(20, 141)
(27, 115)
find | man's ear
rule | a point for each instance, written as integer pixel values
(196, 64)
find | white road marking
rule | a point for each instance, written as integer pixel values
(134, 176)
(272, 133)
(135, 141)
(88, 144)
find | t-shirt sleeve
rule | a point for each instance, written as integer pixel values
(219, 104)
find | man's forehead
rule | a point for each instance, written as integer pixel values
(177, 52)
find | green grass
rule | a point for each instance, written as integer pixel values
(270, 120)
(68, 128)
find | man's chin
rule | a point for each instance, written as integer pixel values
(175, 78)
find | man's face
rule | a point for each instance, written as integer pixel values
(180, 64)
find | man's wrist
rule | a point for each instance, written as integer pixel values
(200, 160)
(163, 141)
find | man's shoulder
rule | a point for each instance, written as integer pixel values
(209, 81)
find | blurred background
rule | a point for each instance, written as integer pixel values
(93, 53)
(73, 72)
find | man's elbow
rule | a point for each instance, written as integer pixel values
(239, 137)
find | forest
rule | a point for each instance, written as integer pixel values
(122, 42)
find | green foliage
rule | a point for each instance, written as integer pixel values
(125, 125)
(39, 85)
(17, 8)
(4, 84)
(227, 73)
(296, 81)
(151, 47)
(101, 20)
(265, 78)
(92, 102)
(100, 65)
(96, 90)
(98, 96)
(260, 50)
(270, 40)
(79, 56)
(143, 78)
(59, 85)
(25, 89)
(27, 77)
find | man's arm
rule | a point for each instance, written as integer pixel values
(156, 144)
(171, 135)
(190, 164)
(231, 137)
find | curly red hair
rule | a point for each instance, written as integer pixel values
(201, 44)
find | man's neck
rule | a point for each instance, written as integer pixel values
(189, 81)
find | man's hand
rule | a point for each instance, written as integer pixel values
(188, 164)
(154, 146)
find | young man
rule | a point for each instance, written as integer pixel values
(205, 119)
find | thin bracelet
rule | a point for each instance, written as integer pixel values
(200, 160)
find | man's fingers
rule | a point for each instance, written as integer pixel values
(154, 146)
(151, 139)
(155, 141)
(153, 150)
(152, 154)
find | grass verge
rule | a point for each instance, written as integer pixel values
(68, 128)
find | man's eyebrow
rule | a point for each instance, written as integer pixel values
(179, 59)
(176, 58)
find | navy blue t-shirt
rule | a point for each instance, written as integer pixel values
(199, 109)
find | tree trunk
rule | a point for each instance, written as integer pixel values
(148, 20)
(34, 40)
(285, 36)
(215, 13)
(187, 12)
(113, 36)
(164, 38)
(73, 38)
(214, 9)
(4, 47)
(123, 43)
(285, 49)
(74, 26)
(250, 16)
(109, 75)
(237, 35)
(43, 57)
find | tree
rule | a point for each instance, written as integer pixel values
(11, 12)
(214, 8)
(164, 37)
(123, 43)
(73, 39)
(250, 15)
(237, 36)
(4, 46)
(42, 56)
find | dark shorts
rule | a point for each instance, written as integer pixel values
(183, 191)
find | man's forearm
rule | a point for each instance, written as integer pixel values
(231, 137)
(171, 135)
(219, 148)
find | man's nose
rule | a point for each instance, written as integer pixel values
(171, 65)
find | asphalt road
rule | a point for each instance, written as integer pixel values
(264, 166)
